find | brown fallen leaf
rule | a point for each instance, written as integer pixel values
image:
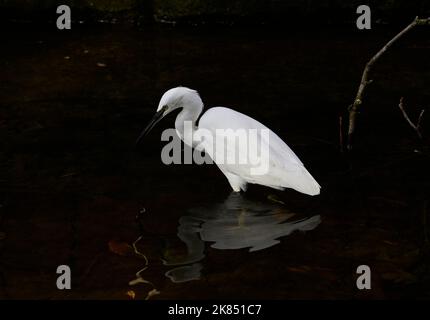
(131, 294)
(120, 248)
(70, 174)
(389, 242)
(300, 269)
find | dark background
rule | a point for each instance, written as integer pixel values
(302, 12)
(72, 103)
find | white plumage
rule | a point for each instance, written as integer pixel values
(284, 170)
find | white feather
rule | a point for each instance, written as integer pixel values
(285, 170)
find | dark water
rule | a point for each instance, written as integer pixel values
(72, 183)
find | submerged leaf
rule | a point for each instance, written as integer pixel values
(299, 269)
(399, 276)
(274, 198)
(120, 248)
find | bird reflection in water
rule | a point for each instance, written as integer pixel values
(236, 223)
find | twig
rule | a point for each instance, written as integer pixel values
(137, 252)
(416, 127)
(139, 278)
(353, 109)
(420, 117)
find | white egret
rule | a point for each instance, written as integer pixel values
(285, 170)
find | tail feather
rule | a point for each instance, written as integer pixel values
(302, 181)
(298, 179)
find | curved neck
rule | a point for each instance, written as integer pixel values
(185, 123)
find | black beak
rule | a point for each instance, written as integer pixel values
(157, 117)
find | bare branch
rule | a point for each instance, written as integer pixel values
(416, 127)
(405, 114)
(420, 117)
(353, 109)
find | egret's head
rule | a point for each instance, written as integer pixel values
(179, 97)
